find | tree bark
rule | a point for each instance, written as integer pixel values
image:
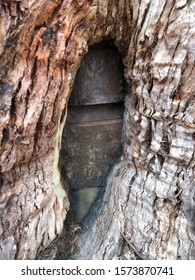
(149, 199)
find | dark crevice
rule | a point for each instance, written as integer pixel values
(33, 72)
(46, 36)
(55, 12)
(187, 104)
(68, 38)
(6, 134)
(13, 112)
(13, 104)
(148, 137)
(161, 159)
(38, 131)
(165, 146)
(12, 40)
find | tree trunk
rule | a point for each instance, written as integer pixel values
(149, 202)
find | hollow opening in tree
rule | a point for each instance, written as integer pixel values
(91, 141)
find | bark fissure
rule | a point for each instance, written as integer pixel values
(148, 197)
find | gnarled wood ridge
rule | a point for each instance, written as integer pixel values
(150, 196)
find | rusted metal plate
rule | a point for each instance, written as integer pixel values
(99, 79)
(90, 148)
(99, 112)
(91, 141)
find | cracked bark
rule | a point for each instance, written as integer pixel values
(149, 197)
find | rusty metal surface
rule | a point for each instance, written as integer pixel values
(99, 79)
(91, 141)
(90, 147)
(99, 112)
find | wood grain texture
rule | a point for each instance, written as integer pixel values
(150, 193)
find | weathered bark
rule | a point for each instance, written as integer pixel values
(149, 197)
